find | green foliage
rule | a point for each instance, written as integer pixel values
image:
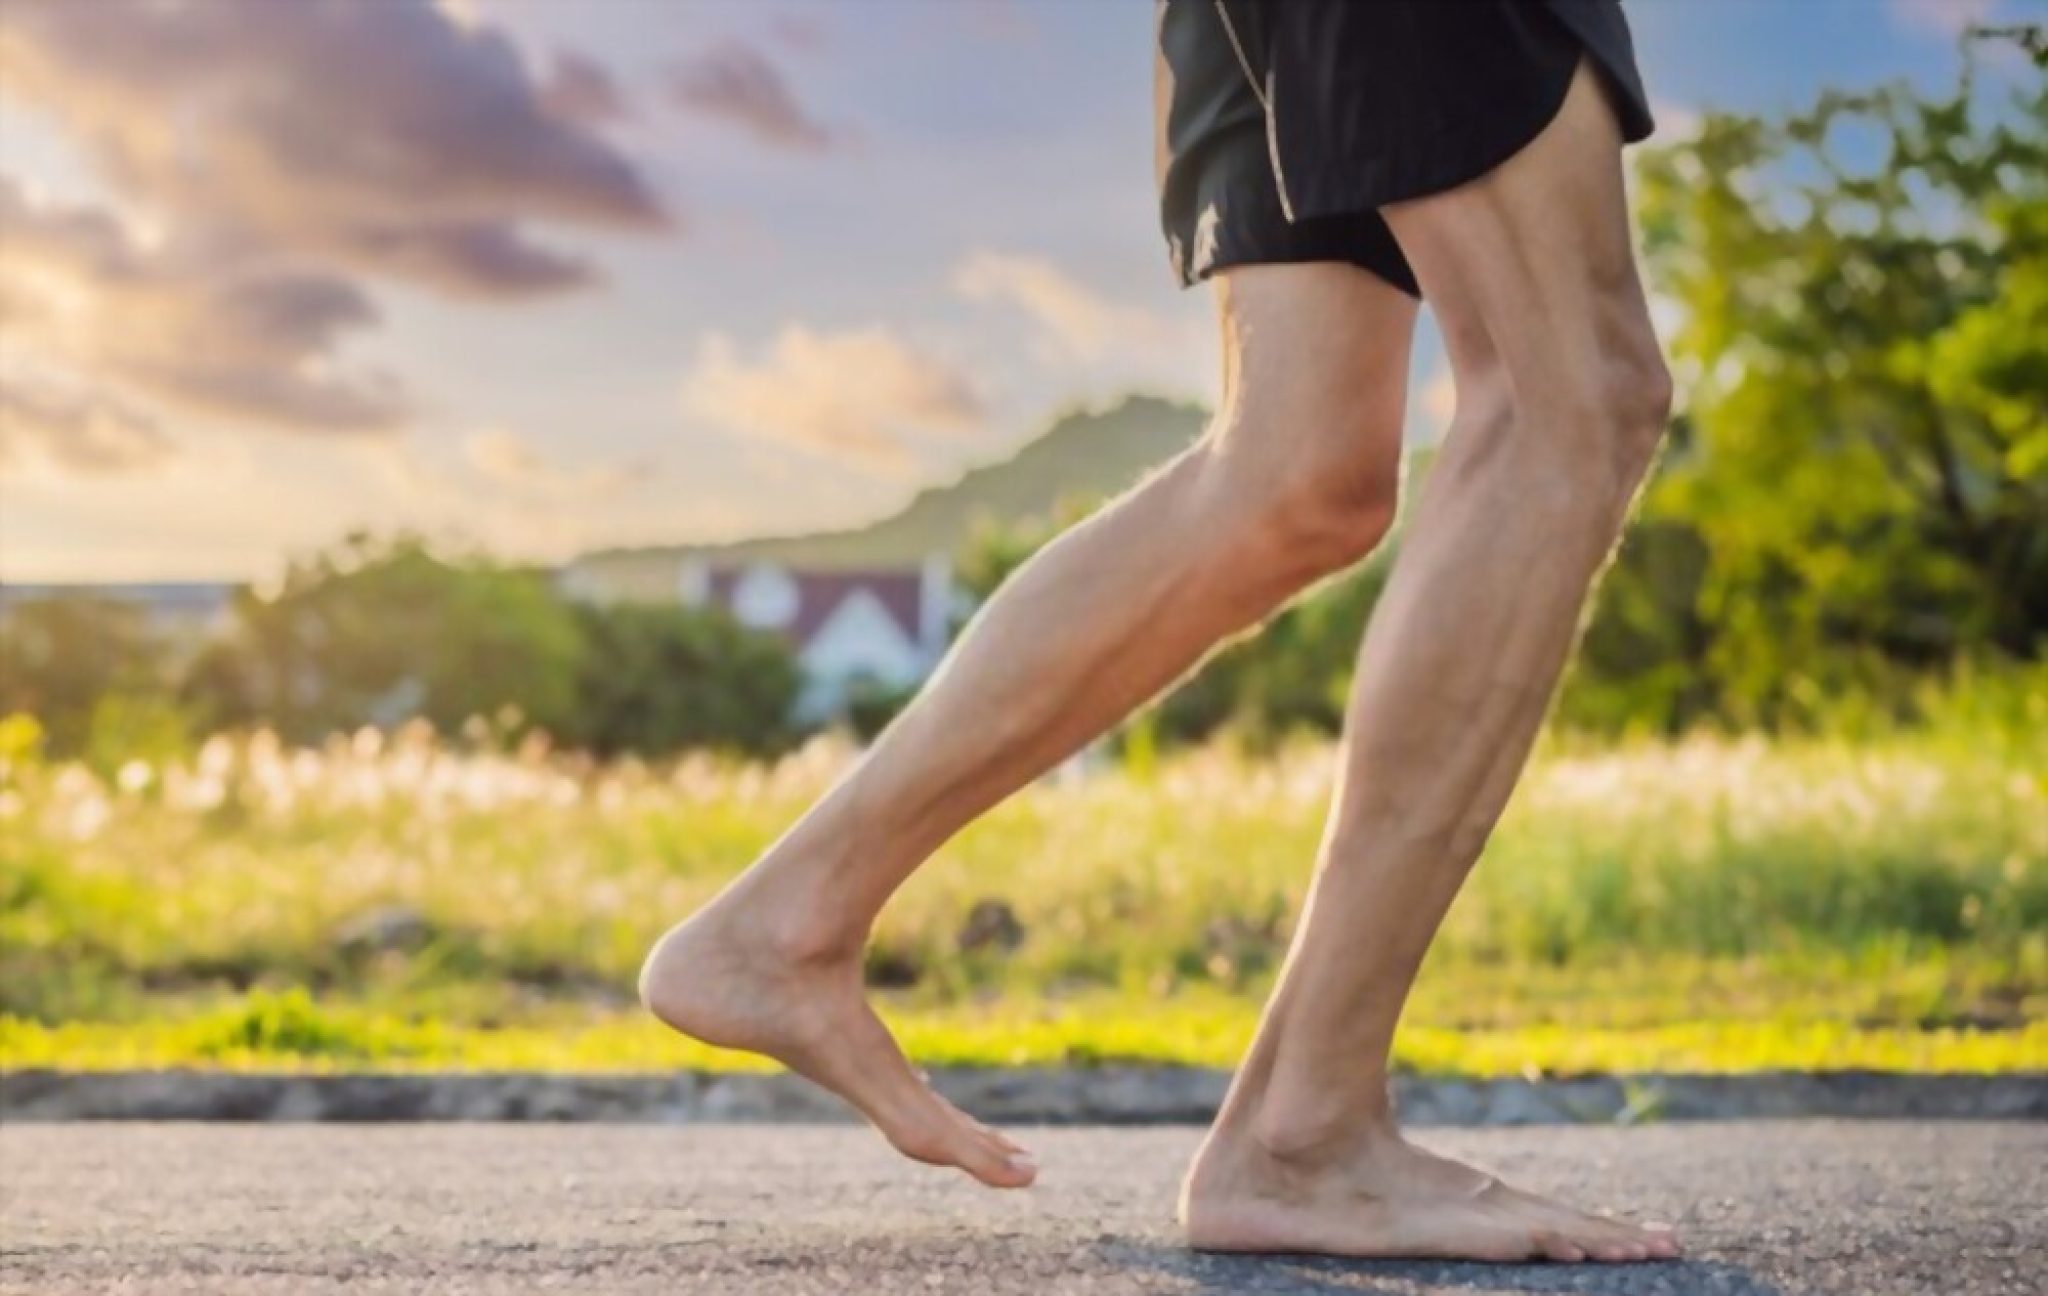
(1291, 677)
(380, 632)
(871, 705)
(1864, 462)
(22, 740)
(375, 631)
(125, 727)
(1097, 1030)
(1638, 663)
(60, 657)
(282, 1022)
(491, 883)
(1709, 903)
(656, 679)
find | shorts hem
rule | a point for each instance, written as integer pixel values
(1366, 186)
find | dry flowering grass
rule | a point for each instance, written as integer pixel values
(500, 899)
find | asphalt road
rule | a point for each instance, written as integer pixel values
(1864, 1210)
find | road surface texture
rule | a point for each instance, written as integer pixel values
(1957, 1209)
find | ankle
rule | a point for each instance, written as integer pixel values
(795, 922)
(1309, 1125)
(813, 897)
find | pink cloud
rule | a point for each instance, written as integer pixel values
(384, 137)
(736, 83)
(130, 325)
(852, 394)
(578, 89)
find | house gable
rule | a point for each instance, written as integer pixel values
(862, 637)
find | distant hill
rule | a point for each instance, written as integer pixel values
(1082, 454)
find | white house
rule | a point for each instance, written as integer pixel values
(882, 627)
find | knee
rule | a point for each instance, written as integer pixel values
(1299, 516)
(1314, 529)
(1597, 433)
(1639, 399)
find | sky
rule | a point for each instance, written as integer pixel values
(540, 276)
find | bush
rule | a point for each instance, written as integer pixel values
(379, 632)
(656, 679)
(60, 656)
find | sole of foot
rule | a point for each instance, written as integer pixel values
(718, 979)
(1392, 1201)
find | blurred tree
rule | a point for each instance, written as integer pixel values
(376, 631)
(1863, 289)
(60, 656)
(1640, 664)
(658, 678)
(1291, 676)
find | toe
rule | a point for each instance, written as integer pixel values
(997, 1166)
(1003, 1140)
(1550, 1246)
(1633, 1244)
(941, 1142)
(1616, 1244)
(1601, 1238)
(952, 1137)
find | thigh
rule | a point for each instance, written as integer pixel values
(1316, 363)
(1531, 267)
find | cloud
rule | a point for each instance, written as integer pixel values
(478, 259)
(578, 89)
(854, 394)
(1086, 339)
(805, 33)
(511, 461)
(736, 83)
(283, 158)
(74, 431)
(83, 297)
(1943, 17)
(381, 138)
(1082, 323)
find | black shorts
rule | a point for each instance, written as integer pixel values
(1285, 125)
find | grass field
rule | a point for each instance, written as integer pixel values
(1714, 904)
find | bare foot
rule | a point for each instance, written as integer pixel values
(722, 979)
(1385, 1197)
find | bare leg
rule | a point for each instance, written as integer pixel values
(1295, 479)
(1561, 400)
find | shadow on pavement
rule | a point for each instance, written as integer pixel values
(1319, 1276)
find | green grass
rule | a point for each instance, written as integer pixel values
(1715, 904)
(289, 1032)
